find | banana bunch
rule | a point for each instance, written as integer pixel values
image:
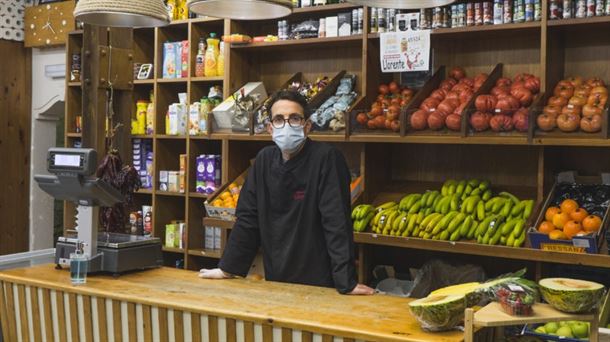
(361, 216)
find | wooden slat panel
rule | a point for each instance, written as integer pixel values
(348, 340)
(10, 308)
(36, 314)
(249, 332)
(87, 318)
(196, 327)
(23, 314)
(286, 335)
(131, 321)
(61, 316)
(48, 316)
(231, 330)
(3, 312)
(146, 324)
(327, 338)
(178, 326)
(267, 333)
(163, 331)
(213, 328)
(101, 318)
(117, 319)
(307, 336)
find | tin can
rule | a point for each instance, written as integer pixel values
(590, 8)
(607, 10)
(581, 9)
(529, 10)
(373, 21)
(437, 18)
(488, 13)
(454, 16)
(381, 20)
(498, 11)
(537, 10)
(567, 9)
(478, 13)
(391, 20)
(360, 20)
(462, 10)
(423, 20)
(554, 10)
(469, 14)
(355, 21)
(446, 23)
(507, 12)
(519, 11)
(599, 8)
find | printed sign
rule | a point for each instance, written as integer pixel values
(405, 51)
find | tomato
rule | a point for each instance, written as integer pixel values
(571, 110)
(506, 105)
(362, 119)
(453, 95)
(429, 104)
(568, 122)
(590, 110)
(479, 121)
(460, 108)
(521, 121)
(546, 122)
(482, 76)
(392, 114)
(485, 103)
(557, 101)
(419, 120)
(595, 82)
(591, 124)
(599, 91)
(582, 91)
(447, 84)
(379, 122)
(533, 84)
(497, 90)
(469, 82)
(406, 92)
(478, 83)
(598, 100)
(501, 123)
(454, 122)
(438, 94)
(503, 82)
(383, 89)
(448, 105)
(577, 101)
(393, 87)
(466, 95)
(575, 81)
(371, 124)
(436, 121)
(457, 73)
(380, 98)
(376, 111)
(566, 91)
(524, 96)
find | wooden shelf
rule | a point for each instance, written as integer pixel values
(208, 253)
(579, 21)
(309, 42)
(173, 250)
(142, 136)
(208, 79)
(214, 222)
(171, 137)
(172, 80)
(170, 193)
(74, 84)
(492, 315)
(148, 81)
(198, 195)
(597, 260)
(483, 28)
(199, 137)
(74, 135)
(325, 8)
(145, 191)
(179, 22)
(76, 33)
(207, 20)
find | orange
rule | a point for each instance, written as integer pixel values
(557, 235)
(571, 228)
(568, 206)
(579, 214)
(546, 227)
(591, 223)
(582, 233)
(225, 195)
(550, 212)
(560, 219)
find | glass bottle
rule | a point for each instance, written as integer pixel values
(211, 56)
(200, 59)
(78, 265)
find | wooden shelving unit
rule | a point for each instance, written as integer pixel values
(390, 164)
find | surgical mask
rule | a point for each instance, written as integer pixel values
(288, 138)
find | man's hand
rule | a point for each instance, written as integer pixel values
(362, 290)
(215, 273)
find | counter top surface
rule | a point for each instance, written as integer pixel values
(372, 318)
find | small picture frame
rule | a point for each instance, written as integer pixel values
(145, 71)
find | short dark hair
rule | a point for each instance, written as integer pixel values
(290, 95)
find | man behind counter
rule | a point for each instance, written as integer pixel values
(295, 204)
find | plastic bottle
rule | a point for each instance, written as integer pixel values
(200, 59)
(211, 56)
(221, 60)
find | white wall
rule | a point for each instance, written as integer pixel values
(43, 137)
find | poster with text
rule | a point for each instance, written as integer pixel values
(405, 51)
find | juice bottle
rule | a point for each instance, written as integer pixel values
(211, 56)
(200, 59)
(221, 60)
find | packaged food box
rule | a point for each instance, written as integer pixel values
(591, 193)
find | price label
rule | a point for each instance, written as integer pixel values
(515, 288)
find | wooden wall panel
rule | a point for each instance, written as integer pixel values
(15, 127)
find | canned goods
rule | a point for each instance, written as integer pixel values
(424, 23)
(567, 9)
(454, 16)
(462, 8)
(599, 8)
(590, 8)
(529, 10)
(437, 18)
(581, 9)
(507, 16)
(607, 10)
(355, 21)
(391, 26)
(488, 16)
(360, 20)
(478, 13)
(469, 14)
(519, 11)
(498, 11)
(446, 23)
(374, 20)
(554, 10)
(537, 10)
(381, 20)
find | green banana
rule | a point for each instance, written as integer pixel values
(529, 207)
(508, 227)
(489, 204)
(444, 235)
(455, 235)
(468, 189)
(479, 239)
(519, 241)
(433, 195)
(498, 206)
(415, 208)
(442, 204)
(472, 230)
(427, 236)
(388, 224)
(503, 240)
(387, 205)
(421, 234)
(510, 196)
(465, 227)
(442, 224)
(474, 183)
(495, 224)
(396, 223)
(472, 204)
(486, 195)
(486, 239)
(455, 202)
(484, 225)
(519, 228)
(459, 218)
(480, 211)
(451, 189)
(460, 188)
(427, 220)
(510, 241)
(411, 224)
(428, 211)
(355, 211)
(420, 217)
(476, 192)
(498, 234)
(508, 205)
(484, 185)
(433, 222)
(518, 209)
(424, 199)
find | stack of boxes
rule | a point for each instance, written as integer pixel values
(143, 161)
(213, 238)
(176, 59)
(175, 234)
(174, 181)
(208, 175)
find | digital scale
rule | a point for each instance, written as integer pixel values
(73, 180)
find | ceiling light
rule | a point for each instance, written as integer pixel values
(402, 4)
(242, 9)
(122, 13)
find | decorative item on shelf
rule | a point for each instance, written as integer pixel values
(75, 67)
(242, 9)
(332, 113)
(223, 113)
(243, 110)
(143, 71)
(48, 24)
(117, 13)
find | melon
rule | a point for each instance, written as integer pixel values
(439, 312)
(571, 295)
(467, 289)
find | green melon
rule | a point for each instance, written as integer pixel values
(439, 313)
(470, 290)
(571, 295)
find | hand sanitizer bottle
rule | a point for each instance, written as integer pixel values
(78, 265)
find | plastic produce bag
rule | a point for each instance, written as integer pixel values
(436, 274)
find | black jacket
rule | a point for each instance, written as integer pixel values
(298, 211)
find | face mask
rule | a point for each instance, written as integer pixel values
(288, 138)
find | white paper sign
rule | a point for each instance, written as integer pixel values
(405, 51)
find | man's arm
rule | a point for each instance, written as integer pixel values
(335, 207)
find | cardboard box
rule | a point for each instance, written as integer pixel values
(163, 180)
(183, 159)
(217, 238)
(223, 113)
(209, 238)
(332, 26)
(182, 181)
(344, 23)
(589, 244)
(170, 235)
(173, 184)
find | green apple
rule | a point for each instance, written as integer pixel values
(580, 329)
(551, 327)
(564, 331)
(563, 324)
(540, 330)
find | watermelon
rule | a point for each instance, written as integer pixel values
(439, 313)
(571, 295)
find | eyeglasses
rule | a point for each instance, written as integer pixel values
(294, 120)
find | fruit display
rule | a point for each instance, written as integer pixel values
(563, 329)
(515, 303)
(228, 198)
(460, 210)
(571, 295)
(576, 105)
(568, 220)
(385, 111)
(505, 108)
(439, 312)
(444, 107)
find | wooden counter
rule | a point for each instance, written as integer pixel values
(167, 304)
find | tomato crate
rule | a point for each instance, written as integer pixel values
(597, 191)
